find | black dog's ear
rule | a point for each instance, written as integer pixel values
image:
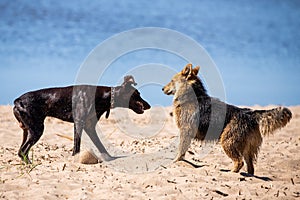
(129, 80)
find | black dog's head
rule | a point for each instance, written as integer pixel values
(127, 96)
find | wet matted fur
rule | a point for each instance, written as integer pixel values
(241, 129)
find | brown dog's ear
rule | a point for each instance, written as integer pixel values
(129, 80)
(187, 70)
(196, 70)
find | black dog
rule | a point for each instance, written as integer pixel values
(82, 105)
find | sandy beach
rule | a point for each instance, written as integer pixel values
(146, 144)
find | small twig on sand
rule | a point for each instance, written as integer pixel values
(221, 193)
(292, 181)
(171, 181)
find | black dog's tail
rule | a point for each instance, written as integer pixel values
(271, 120)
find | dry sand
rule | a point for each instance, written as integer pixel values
(147, 171)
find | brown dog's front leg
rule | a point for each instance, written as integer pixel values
(186, 136)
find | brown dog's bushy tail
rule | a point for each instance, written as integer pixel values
(271, 120)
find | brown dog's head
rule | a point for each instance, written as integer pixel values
(183, 79)
(127, 96)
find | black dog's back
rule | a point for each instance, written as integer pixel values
(57, 102)
(54, 102)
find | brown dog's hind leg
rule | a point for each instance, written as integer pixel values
(233, 153)
(231, 144)
(236, 158)
(249, 162)
(251, 149)
(238, 164)
(251, 152)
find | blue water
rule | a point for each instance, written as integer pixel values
(255, 44)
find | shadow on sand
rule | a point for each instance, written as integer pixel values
(250, 175)
(193, 164)
(264, 178)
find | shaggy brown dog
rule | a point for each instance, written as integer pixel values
(239, 130)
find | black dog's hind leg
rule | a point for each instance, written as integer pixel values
(33, 127)
(21, 154)
(25, 134)
(30, 137)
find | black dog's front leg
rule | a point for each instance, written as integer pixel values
(78, 128)
(82, 104)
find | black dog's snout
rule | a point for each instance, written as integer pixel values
(163, 88)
